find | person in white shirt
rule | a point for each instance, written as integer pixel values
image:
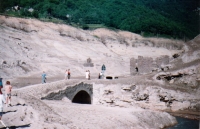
(66, 74)
(86, 74)
(2, 101)
(101, 75)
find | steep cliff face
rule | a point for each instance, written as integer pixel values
(193, 52)
(186, 67)
(29, 46)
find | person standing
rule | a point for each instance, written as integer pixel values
(8, 89)
(2, 101)
(1, 83)
(136, 69)
(68, 74)
(101, 75)
(103, 69)
(44, 77)
(88, 74)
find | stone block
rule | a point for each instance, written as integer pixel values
(88, 65)
(175, 106)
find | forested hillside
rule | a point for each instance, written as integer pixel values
(173, 18)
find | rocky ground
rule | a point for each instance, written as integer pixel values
(28, 47)
(28, 110)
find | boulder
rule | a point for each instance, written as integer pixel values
(175, 106)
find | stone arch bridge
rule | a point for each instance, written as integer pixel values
(77, 92)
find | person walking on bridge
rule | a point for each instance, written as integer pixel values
(86, 74)
(68, 74)
(44, 77)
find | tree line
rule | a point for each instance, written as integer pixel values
(173, 18)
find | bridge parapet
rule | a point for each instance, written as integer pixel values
(40, 90)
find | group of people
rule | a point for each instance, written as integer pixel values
(67, 76)
(8, 89)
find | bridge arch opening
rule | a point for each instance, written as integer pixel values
(82, 97)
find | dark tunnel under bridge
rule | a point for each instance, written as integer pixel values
(82, 97)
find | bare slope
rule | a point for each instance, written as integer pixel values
(29, 46)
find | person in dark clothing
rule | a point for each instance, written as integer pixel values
(68, 74)
(1, 83)
(99, 76)
(88, 75)
(136, 68)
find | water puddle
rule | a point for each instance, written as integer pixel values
(184, 123)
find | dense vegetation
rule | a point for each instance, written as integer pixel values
(174, 18)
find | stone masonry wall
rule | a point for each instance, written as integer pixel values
(147, 64)
(163, 60)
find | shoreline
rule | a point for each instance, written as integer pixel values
(194, 115)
